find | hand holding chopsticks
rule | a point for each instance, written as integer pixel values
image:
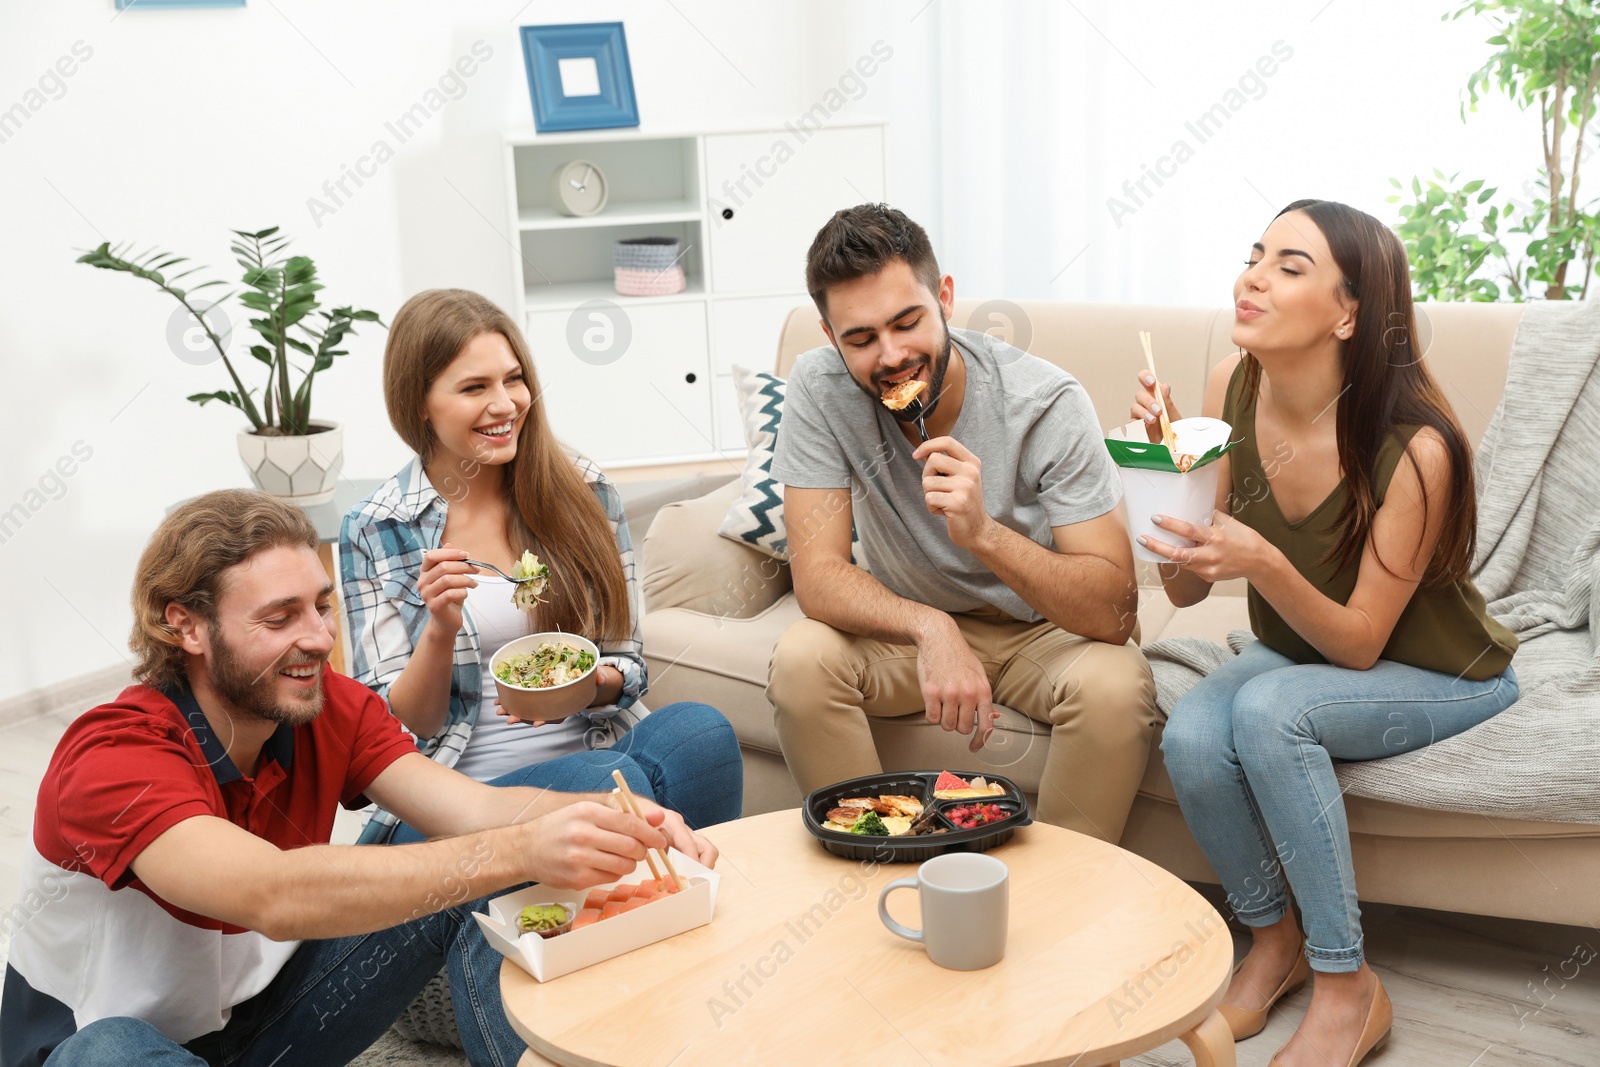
(1168, 438)
(630, 804)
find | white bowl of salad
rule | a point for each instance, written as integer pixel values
(546, 676)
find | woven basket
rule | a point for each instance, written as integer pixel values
(646, 253)
(648, 266)
(431, 1017)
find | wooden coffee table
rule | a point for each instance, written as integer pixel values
(1108, 956)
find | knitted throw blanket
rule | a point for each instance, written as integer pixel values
(1538, 565)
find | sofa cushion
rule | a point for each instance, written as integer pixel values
(756, 516)
(685, 565)
(721, 660)
(1382, 818)
(1213, 618)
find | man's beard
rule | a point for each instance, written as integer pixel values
(930, 399)
(249, 691)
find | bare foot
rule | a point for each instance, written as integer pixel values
(1273, 951)
(1332, 1026)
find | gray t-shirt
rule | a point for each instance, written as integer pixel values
(1045, 464)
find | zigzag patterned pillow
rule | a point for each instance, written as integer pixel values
(756, 518)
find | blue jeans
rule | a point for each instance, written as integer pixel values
(330, 1002)
(1250, 751)
(684, 756)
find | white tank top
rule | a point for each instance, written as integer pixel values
(497, 747)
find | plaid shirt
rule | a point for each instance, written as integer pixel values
(381, 546)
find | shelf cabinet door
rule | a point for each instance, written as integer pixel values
(768, 194)
(744, 333)
(647, 400)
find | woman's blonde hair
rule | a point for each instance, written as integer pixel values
(185, 560)
(555, 513)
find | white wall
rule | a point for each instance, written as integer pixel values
(1011, 124)
(181, 126)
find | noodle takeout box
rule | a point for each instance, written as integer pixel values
(551, 957)
(1131, 449)
(1153, 483)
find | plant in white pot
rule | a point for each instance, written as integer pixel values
(286, 453)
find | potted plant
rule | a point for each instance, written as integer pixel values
(287, 453)
(1469, 242)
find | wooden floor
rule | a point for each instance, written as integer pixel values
(1468, 991)
(1463, 988)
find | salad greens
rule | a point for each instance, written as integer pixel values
(550, 664)
(526, 594)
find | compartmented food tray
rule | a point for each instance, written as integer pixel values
(945, 836)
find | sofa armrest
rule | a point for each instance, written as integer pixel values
(687, 564)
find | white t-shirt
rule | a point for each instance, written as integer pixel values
(498, 747)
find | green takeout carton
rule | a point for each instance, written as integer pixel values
(1154, 456)
(1152, 483)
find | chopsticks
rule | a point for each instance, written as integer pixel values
(630, 803)
(1168, 438)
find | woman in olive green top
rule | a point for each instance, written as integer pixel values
(1349, 508)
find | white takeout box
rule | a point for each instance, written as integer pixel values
(551, 957)
(1190, 496)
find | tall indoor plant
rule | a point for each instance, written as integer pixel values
(287, 453)
(1468, 242)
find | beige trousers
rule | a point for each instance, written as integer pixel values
(1097, 698)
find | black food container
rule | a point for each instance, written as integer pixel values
(915, 849)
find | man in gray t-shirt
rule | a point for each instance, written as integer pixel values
(995, 569)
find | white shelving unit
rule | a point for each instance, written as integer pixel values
(638, 381)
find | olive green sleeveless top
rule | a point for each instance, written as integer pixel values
(1444, 628)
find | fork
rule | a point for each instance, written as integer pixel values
(918, 411)
(497, 570)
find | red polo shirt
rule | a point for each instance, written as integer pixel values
(97, 942)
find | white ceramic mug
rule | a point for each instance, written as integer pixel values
(965, 909)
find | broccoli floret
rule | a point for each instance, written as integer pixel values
(870, 825)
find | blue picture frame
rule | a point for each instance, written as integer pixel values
(123, 5)
(612, 104)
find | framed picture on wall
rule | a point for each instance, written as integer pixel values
(123, 5)
(579, 76)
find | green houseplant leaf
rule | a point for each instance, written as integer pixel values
(1546, 55)
(282, 291)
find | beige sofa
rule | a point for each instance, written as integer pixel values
(715, 609)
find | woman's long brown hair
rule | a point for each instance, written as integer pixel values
(1386, 387)
(556, 514)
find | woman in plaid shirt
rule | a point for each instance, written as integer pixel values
(490, 480)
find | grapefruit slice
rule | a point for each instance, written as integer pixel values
(949, 781)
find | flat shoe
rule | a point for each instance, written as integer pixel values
(1246, 1023)
(1380, 1020)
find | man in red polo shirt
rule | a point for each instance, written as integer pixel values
(184, 905)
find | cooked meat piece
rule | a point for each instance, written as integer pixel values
(898, 397)
(904, 805)
(846, 815)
